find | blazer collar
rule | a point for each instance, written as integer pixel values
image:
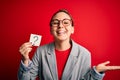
(51, 58)
(74, 50)
(72, 59)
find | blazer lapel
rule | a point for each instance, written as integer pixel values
(72, 59)
(52, 61)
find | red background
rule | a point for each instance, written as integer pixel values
(97, 27)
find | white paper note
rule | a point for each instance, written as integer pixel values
(35, 39)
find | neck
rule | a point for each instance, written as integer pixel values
(62, 45)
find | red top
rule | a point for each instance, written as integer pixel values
(61, 58)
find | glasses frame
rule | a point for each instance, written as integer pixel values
(61, 21)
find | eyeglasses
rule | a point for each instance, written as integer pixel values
(56, 22)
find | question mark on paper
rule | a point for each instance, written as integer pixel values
(35, 39)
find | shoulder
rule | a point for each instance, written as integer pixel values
(81, 49)
(45, 46)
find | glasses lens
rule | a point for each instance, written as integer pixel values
(66, 22)
(55, 23)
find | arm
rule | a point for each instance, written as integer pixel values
(28, 69)
(91, 73)
(103, 67)
(98, 72)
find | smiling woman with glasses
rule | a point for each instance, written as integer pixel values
(63, 59)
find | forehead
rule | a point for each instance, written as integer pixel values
(61, 16)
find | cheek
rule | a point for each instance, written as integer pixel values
(71, 30)
(52, 31)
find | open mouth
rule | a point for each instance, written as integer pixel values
(61, 32)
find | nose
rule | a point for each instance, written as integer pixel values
(60, 24)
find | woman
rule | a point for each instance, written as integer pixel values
(62, 59)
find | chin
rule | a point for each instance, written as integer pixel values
(62, 39)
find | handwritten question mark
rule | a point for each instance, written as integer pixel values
(35, 39)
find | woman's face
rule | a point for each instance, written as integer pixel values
(61, 27)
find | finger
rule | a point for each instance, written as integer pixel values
(24, 46)
(105, 63)
(29, 50)
(25, 54)
(113, 67)
(27, 44)
(25, 51)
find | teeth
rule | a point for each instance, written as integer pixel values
(61, 32)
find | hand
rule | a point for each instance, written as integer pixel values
(102, 67)
(25, 49)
